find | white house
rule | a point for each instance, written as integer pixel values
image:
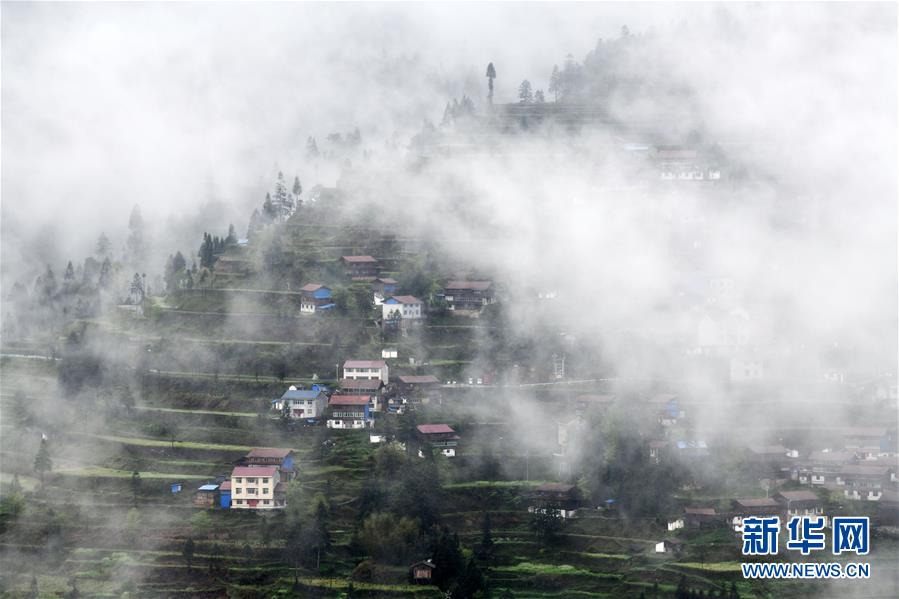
(302, 403)
(257, 488)
(389, 352)
(366, 369)
(406, 306)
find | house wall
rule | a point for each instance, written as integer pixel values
(262, 490)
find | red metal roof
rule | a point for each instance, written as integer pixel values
(269, 452)
(430, 429)
(348, 400)
(387, 280)
(356, 384)
(257, 471)
(225, 486)
(364, 364)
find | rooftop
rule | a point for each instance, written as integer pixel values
(313, 287)
(799, 496)
(364, 364)
(269, 452)
(473, 285)
(372, 384)
(757, 502)
(301, 394)
(430, 429)
(403, 299)
(359, 259)
(251, 471)
(208, 488)
(348, 400)
(554, 488)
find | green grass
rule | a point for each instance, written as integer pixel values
(160, 443)
(204, 412)
(100, 472)
(541, 568)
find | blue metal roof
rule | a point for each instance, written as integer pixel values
(692, 445)
(326, 307)
(208, 488)
(300, 394)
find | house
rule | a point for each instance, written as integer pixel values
(418, 387)
(225, 495)
(864, 481)
(722, 332)
(869, 442)
(176, 487)
(746, 367)
(439, 436)
(360, 267)
(302, 403)
(257, 488)
(800, 503)
(702, 517)
(349, 412)
(745, 508)
(374, 389)
(675, 524)
(315, 297)
(672, 546)
(272, 456)
(206, 496)
(366, 369)
(773, 460)
(468, 295)
(822, 467)
(586, 402)
(389, 352)
(666, 408)
(657, 450)
(401, 312)
(422, 572)
(559, 497)
(691, 449)
(382, 288)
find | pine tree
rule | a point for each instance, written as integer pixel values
(103, 245)
(555, 81)
(525, 95)
(69, 276)
(311, 148)
(491, 75)
(43, 463)
(297, 191)
(539, 98)
(231, 239)
(105, 274)
(135, 243)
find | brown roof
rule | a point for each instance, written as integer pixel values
(658, 444)
(861, 470)
(358, 259)
(830, 456)
(225, 486)
(700, 511)
(269, 452)
(348, 400)
(419, 379)
(799, 496)
(766, 449)
(429, 429)
(473, 285)
(364, 364)
(757, 502)
(311, 287)
(254, 471)
(863, 431)
(387, 280)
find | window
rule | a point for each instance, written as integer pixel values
(251, 481)
(264, 481)
(251, 491)
(265, 502)
(238, 501)
(264, 490)
(237, 480)
(237, 491)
